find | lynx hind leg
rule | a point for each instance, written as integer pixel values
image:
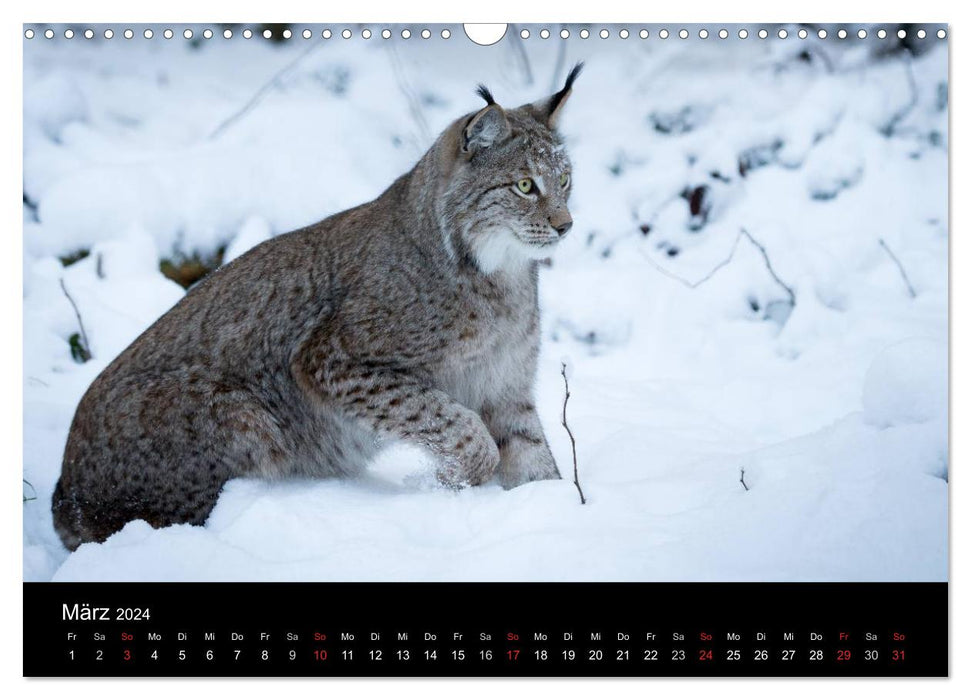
(68, 522)
(398, 406)
(334, 445)
(83, 514)
(524, 452)
(157, 456)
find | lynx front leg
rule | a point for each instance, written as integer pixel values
(524, 453)
(397, 405)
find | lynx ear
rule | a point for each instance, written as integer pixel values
(489, 126)
(548, 110)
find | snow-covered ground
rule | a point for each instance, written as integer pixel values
(830, 155)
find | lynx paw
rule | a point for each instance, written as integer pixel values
(474, 460)
(522, 466)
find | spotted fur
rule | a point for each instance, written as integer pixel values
(412, 317)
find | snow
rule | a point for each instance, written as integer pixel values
(688, 364)
(254, 231)
(906, 383)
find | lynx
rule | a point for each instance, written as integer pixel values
(413, 317)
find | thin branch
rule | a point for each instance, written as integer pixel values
(900, 267)
(573, 443)
(558, 67)
(85, 346)
(699, 282)
(30, 498)
(817, 50)
(902, 113)
(768, 266)
(414, 103)
(519, 47)
(608, 247)
(742, 479)
(263, 91)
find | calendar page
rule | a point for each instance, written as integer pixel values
(515, 350)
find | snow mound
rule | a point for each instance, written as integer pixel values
(53, 101)
(906, 383)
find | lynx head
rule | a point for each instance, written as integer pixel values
(508, 180)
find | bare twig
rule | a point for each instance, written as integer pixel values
(698, 282)
(900, 267)
(768, 266)
(742, 479)
(558, 67)
(518, 46)
(414, 103)
(263, 91)
(817, 50)
(902, 113)
(85, 346)
(30, 498)
(573, 443)
(731, 254)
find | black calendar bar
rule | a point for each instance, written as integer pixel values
(485, 629)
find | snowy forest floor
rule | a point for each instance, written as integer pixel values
(813, 355)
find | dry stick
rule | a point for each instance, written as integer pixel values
(824, 57)
(900, 267)
(742, 479)
(558, 67)
(768, 266)
(518, 45)
(649, 223)
(696, 283)
(731, 254)
(573, 443)
(262, 92)
(84, 336)
(902, 113)
(414, 103)
(31, 498)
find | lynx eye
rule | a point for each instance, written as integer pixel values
(525, 185)
(564, 179)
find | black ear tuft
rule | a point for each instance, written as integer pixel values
(573, 76)
(484, 92)
(558, 97)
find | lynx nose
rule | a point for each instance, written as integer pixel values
(561, 224)
(560, 220)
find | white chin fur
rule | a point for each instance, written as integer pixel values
(500, 249)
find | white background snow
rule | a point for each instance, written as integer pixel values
(836, 407)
